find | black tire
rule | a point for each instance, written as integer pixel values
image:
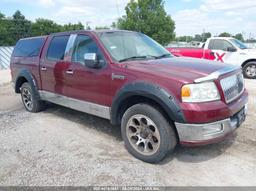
(246, 70)
(29, 96)
(166, 133)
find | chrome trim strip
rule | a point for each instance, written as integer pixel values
(215, 75)
(83, 106)
(117, 76)
(70, 47)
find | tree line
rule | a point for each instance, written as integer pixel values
(204, 36)
(17, 26)
(146, 16)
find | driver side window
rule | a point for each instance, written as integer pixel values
(220, 45)
(85, 44)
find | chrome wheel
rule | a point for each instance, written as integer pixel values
(143, 134)
(27, 98)
(251, 70)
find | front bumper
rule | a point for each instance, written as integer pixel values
(207, 133)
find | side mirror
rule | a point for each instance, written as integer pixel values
(231, 49)
(91, 61)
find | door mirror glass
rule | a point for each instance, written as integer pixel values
(91, 61)
(231, 49)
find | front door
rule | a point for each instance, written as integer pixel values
(82, 82)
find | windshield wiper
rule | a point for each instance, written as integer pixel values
(163, 56)
(133, 57)
(145, 57)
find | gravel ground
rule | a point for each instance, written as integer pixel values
(5, 76)
(64, 147)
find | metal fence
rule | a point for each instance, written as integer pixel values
(5, 55)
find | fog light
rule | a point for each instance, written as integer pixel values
(212, 129)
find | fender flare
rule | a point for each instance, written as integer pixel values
(154, 92)
(25, 73)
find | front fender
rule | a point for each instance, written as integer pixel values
(152, 91)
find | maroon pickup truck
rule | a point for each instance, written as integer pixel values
(158, 100)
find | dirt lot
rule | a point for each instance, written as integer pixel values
(63, 147)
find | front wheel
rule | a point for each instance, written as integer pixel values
(147, 134)
(249, 70)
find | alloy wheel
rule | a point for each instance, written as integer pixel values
(27, 98)
(143, 134)
(251, 70)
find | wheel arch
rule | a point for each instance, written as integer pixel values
(20, 80)
(135, 93)
(249, 60)
(25, 76)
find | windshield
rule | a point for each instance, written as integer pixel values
(125, 45)
(239, 43)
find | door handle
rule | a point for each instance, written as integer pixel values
(43, 68)
(71, 72)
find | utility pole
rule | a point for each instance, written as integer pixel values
(203, 35)
(87, 25)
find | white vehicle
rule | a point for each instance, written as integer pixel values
(224, 49)
(233, 51)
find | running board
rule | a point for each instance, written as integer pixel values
(83, 106)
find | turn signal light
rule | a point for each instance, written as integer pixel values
(185, 91)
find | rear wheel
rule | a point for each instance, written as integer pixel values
(147, 134)
(249, 70)
(31, 102)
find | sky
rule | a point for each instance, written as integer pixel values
(191, 16)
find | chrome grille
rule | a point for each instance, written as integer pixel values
(232, 86)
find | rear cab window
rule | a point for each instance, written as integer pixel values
(28, 47)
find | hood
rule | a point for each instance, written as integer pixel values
(250, 50)
(249, 53)
(185, 70)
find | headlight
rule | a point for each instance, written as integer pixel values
(203, 92)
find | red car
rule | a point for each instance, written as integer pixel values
(193, 53)
(158, 100)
